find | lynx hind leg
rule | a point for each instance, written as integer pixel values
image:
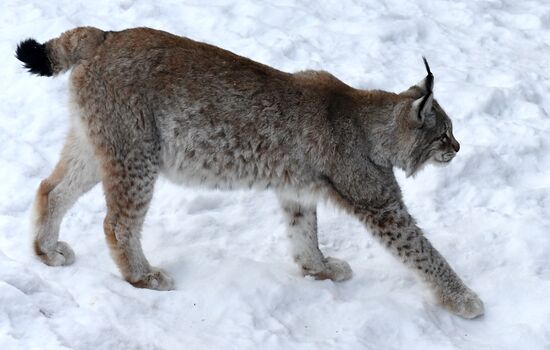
(302, 232)
(128, 187)
(75, 174)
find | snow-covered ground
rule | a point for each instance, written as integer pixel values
(237, 287)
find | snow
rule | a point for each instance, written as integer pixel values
(237, 287)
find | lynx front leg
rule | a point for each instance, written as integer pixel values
(302, 232)
(396, 229)
(128, 187)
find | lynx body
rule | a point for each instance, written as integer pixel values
(146, 103)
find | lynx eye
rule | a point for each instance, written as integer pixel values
(444, 138)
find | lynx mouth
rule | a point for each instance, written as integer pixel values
(444, 159)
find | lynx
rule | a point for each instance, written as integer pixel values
(147, 102)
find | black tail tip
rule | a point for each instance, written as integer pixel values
(34, 56)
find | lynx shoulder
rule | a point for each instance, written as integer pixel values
(148, 103)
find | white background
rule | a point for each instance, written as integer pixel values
(237, 287)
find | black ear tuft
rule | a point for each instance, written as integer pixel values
(430, 77)
(35, 57)
(429, 87)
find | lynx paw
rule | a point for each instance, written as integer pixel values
(466, 304)
(334, 269)
(61, 255)
(156, 279)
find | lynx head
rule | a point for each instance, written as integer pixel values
(426, 131)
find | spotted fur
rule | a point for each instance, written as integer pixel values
(147, 103)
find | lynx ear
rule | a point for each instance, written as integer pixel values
(424, 98)
(420, 109)
(422, 88)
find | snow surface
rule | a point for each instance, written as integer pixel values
(237, 287)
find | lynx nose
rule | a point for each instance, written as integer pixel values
(456, 145)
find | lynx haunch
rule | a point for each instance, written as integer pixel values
(146, 102)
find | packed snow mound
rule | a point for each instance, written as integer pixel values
(237, 287)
